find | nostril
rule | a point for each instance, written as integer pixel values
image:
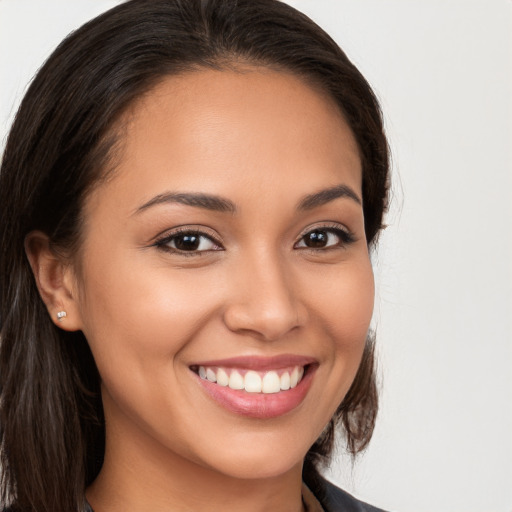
(264, 322)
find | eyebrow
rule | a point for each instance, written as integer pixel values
(221, 204)
(327, 195)
(206, 201)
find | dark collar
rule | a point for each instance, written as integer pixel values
(334, 499)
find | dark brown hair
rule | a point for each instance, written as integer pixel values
(51, 417)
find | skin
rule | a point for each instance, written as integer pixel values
(263, 140)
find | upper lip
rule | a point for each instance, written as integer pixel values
(260, 363)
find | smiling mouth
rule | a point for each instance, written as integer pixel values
(264, 382)
(257, 387)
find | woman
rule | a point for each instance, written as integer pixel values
(189, 194)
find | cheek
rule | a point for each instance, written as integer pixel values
(345, 313)
(347, 305)
(140, 314)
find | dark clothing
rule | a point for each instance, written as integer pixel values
(334, 499)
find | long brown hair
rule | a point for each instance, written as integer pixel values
(51, 417)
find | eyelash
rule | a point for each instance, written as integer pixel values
(163, 242)
(345, 237)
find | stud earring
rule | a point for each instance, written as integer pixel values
(61, 315)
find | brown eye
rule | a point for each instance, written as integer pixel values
(188, 242)
(325, 238)
(316, 239)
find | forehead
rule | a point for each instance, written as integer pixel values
(219, 130)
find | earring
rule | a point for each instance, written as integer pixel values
(61, 315)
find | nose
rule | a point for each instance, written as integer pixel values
(264, 300)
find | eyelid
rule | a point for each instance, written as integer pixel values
(331, 226)
(187, 228)
(166, 236)
(324, 225)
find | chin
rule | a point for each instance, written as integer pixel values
(258, 469)
(261, 459)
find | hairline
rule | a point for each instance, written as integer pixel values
(112, 142)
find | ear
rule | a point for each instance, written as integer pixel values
(55, 281)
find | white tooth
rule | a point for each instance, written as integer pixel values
(202, 372)
(271, 383)
(210, 375)
(301, 373)
(294, 377)
(236, 381)
(285, 381)
(252, 382)
(222, 377)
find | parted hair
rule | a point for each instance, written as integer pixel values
(52, 432)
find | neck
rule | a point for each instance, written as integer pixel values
(139, 474)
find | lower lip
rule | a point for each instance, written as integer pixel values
(259, 405)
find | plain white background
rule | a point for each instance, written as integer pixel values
(443, 72)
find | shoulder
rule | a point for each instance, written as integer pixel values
(334, 499)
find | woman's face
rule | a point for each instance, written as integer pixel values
(229, 245)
